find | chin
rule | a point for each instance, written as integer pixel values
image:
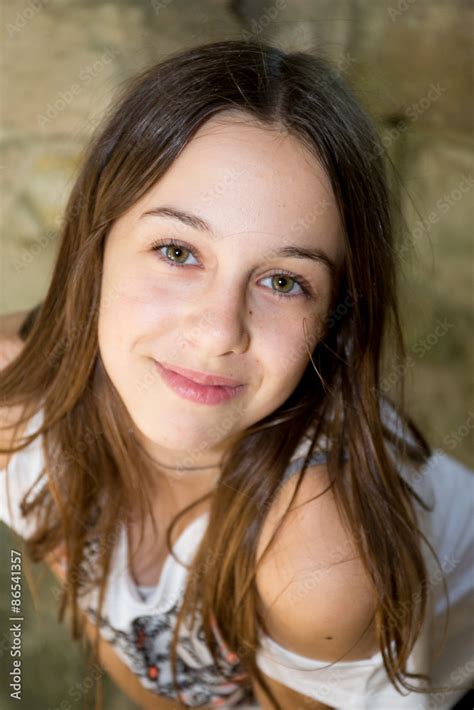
(158, 426)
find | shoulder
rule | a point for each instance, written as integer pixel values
(10, 347)
(314, 595)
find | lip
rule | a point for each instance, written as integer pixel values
(190, 390)
(202, 378)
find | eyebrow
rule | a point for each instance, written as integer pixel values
(292, 250)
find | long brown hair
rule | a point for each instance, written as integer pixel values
(340, 393)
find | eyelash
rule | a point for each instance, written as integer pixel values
(305, 287)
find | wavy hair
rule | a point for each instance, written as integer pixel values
(340, 394)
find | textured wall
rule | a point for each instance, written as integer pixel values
(409, 62)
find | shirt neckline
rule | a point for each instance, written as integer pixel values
(173, 574)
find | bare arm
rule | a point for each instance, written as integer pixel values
(10, 323)
(14, 330)
(309, 592)
(10, 341)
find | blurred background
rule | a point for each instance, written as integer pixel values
(410, 64)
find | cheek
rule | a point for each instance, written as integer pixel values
(131, 304)
(287, 351)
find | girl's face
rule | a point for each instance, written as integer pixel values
(247, 210)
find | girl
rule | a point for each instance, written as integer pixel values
(197, 434)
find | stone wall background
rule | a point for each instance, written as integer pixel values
(409, 62)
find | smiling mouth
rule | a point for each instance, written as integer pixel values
(196, 392)
(201, 378)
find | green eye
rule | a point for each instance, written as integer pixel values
(278, 278)
(281, 282)
(289, 282)
(175, 253)
(172, 253)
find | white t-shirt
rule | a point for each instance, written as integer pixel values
(140, 626)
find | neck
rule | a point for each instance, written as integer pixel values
(177, 489)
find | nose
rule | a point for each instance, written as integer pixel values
(218, 321)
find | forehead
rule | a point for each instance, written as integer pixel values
(243, 176)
